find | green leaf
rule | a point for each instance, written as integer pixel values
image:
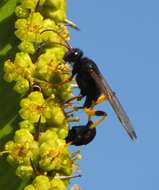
(7, 8)
(8, 42)
(9, 100)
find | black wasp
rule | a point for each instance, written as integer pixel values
(95, 89)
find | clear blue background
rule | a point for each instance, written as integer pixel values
(122, 37)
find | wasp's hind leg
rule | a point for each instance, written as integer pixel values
(92, 112)
(103, 116)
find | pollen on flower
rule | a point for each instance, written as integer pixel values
(40, 182)
(24, 171)
(27, 47)
(29, 29)
(55, 10)
(20, 71)
(33, 107)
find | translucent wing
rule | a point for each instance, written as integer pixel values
(115, 103)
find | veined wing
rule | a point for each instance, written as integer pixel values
(115, 103)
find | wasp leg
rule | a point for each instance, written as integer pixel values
(74, 98)
(68, 104)
(100, 100)
(92, 112)
(75, 109)
(66, 81)
(72, 111)
(69, 115)
(99, 113)
(49, 84)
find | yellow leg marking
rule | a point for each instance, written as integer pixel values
(101, 99)
(98, 122)
(89, 112)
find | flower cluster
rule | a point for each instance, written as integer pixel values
(44, 183)
(39, 149)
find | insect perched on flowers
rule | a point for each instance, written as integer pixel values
(95, 89)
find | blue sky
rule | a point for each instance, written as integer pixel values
(122, 37)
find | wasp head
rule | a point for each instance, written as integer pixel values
(73, 55)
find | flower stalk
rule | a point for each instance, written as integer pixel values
(38, 150)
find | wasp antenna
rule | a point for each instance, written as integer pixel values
(67, 45)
